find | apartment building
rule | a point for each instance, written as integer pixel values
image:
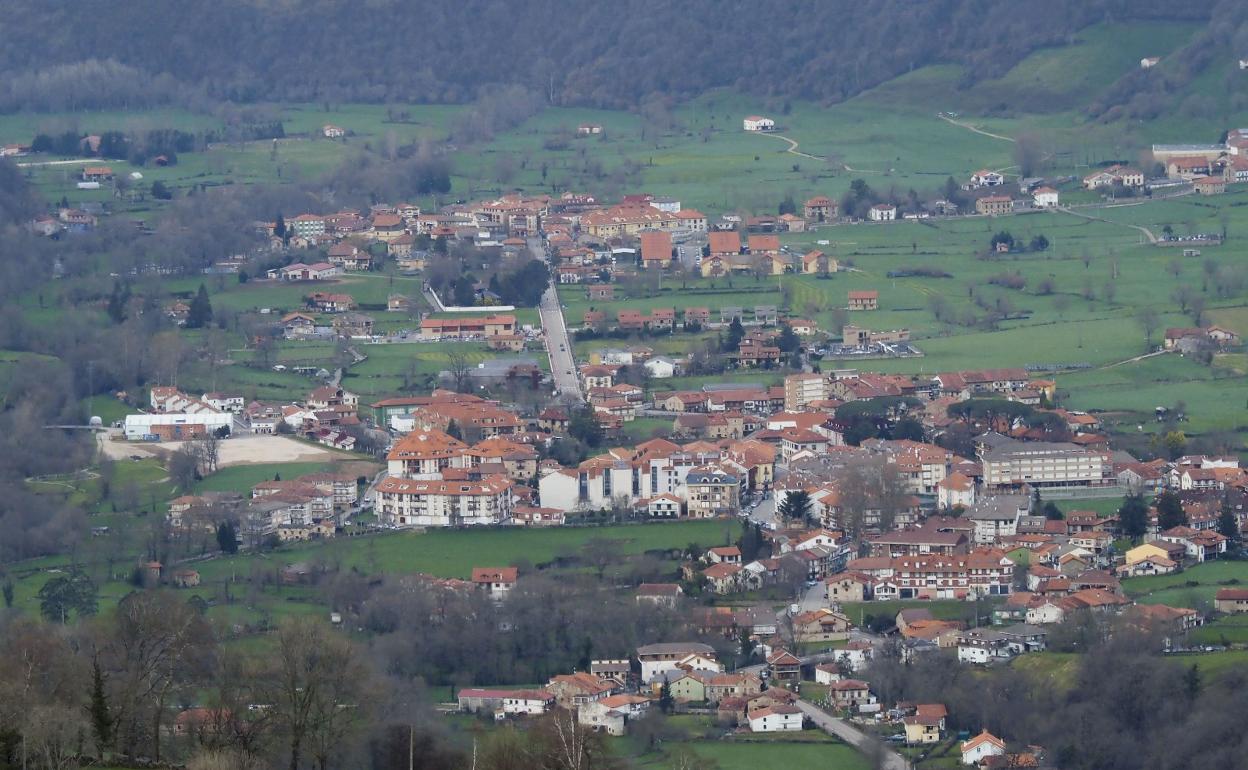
(437, 503)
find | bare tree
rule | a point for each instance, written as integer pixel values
(317, 687)
(1148, 320)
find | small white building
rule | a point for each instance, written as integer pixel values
(333, 132)
(758, 123)
(775, 719)
(981, 747)
(883, 212)
(1045, 198)
(660, 368)
(955, 490)
(1148, 62)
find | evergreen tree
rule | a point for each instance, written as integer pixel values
(65, 594)
(200, 314)
(8, 592)
(118, 301)
(279, 227)
(1052, 512)
(788, 341)
(797, 506)
(1170, 513)
(1228, 527)
(666, 701)
(227, 538)
(1133, 517)
(736, 333)
(452, 430)
(101, 720)
(583, 425)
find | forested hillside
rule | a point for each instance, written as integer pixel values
(613, 53)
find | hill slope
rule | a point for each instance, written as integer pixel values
(616, 53)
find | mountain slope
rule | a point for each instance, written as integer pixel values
(616, 53)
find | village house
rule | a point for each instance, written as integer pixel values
(864, 300)
(994, 205)
(777, 718)
(882, 212)
(982, 746)
(495, 582)
(758, 123)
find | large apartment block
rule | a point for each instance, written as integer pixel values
(438, 503)
(1009, 463)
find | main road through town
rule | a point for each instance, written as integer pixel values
(555, 332)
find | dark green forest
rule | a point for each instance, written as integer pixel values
(59, 54)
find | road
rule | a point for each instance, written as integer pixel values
(852, 735)
(555, 331)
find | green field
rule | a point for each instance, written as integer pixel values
(1191, 587)
(741, 755)
(447, 553)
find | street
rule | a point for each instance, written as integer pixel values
(558, 346)
(851, 735)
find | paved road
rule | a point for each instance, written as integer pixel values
(852, 735)
(555, 331)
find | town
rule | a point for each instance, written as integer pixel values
(718, 431)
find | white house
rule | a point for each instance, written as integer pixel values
(224, 402)
(981, 747)
(661, 368)
(774, 719)
(758, 123)
(954, 490)
(1148, 62)
(986, 178)
(1045, 198)
(333, 132)
(883, 212)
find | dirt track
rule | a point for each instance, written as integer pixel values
(242, 450)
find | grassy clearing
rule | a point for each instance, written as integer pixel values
(449, 553)
(1057, 668)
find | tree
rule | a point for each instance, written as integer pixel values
(736, 333)
(318, 688)
(227, 537)
(152, 653)
(101, 719)
(797, 506)
(788, 341)
(200, 314)
(161, 191)
(1148, 320)
(666, 701)
(1170, 513)
(1052, 512)
(1133, 517)
(65, 594)
(1175, 441)
(452, 430)
(183, 468)
(1228, 527)
(279, 226)
(584, 426)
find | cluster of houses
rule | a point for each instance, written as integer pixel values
(325, 416)
(1208, 168)
(310, 507)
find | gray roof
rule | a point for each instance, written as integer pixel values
(1005, 451)
(675, 648)
(1000, 507)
